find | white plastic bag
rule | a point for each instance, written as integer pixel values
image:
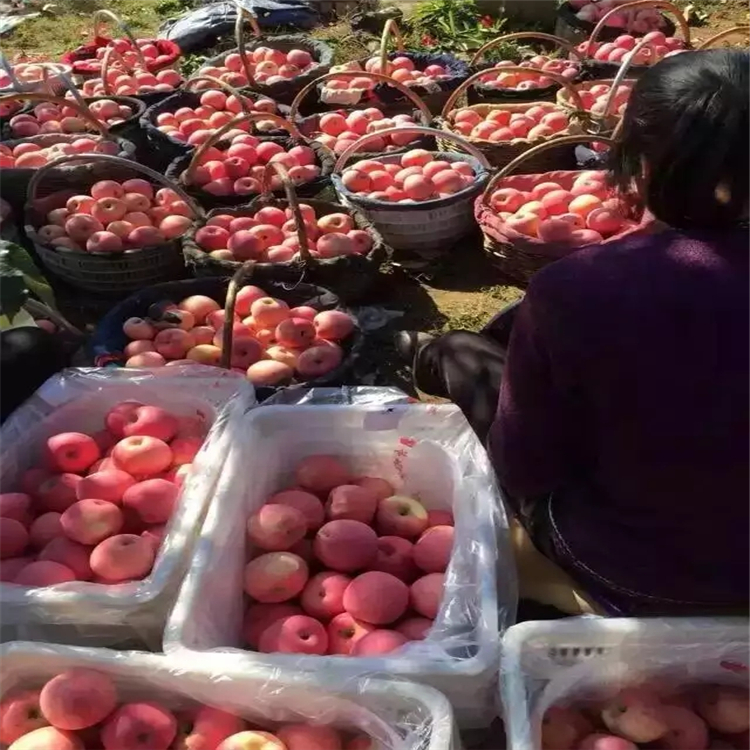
(545, 663)
(77, 400)
(398, 715)
(426, 451)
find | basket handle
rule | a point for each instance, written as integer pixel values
(564, 82)
(216, 136)
(108, 55)
(227, 330)
(661, 4)
(115, 160)
(35, 96)
(722, 35)
(410, 95)
(562, 141)
(389, 29)
(559, 41)
(102, 15)
(445, 135)
(72, 89)
(8, 68)
(618, 79)
(222, 85)
(291, 196)
(239, 35)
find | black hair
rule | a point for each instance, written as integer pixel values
(684, 139)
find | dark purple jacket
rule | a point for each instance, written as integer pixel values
(626, 397)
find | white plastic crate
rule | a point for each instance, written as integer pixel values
(78, 399)
(547, 662)
(398, 715)
(425, 450)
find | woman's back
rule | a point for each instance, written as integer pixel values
(637, 409)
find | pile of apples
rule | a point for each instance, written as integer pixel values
(641, 21)
(527, 81)
(661, 46)
(82, 708)
(9, 108)
(271, 343)
(114, 217)
(340, 130)
(154, 59)
(595, 99)
(267, 66)
(342, 565)
(239, 168)
(583, 215)
(401, 69)
(270, 236)
(194, 125)
(138, 81)
(97, 507)
(32, 155)
(49, 118)
(417, 176)
(696, 717)
(27, 73)
(502, 125)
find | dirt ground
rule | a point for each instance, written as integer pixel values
(464, 290)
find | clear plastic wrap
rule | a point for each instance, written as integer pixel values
(427, 451)
(546, 663)
(78, 399)
(397, 715)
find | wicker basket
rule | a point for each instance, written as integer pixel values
(107, 274)
(80, 59)
(349, 276)
(516, 255)
(109, 341)
(429, 228)
(572, 28)
(182, 168)
(483, 94)
(283, 92)
(15, 181)
(598, 69)
(501, 153)
(308, 126)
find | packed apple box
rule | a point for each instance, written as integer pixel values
(417, 176)
(340, 130)
(660, 46)
(82, 708)
(267, 66)
(97, 508)
(114, 217)
(237, 169)
(51, 118)
(272, 344)
(401, 69)
(147, 48)
(529, 81)
(639, 21)
(33, 155)
(695, 717)
(501, 125)
(585, 214)
(270, 235)
(342, 565)
(195, 125)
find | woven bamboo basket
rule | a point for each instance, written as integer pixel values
(599, 69)
(80, 59)
(112, 274)
(428, 228)
(182, 169)
(517, 255)
(15, 180)
(480, 93)
(498, 154)
(309, 129)
(349, 276)
(109, 341)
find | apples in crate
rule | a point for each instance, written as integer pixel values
(523, 82)
(267, 65)
(401, 69)
(660, 46)
(51, 118)
(339, 130)
(31, 155)
(502, 125)
(270, 235)
(639, 21)
(133, 82)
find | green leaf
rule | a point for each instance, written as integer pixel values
(19, 277)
